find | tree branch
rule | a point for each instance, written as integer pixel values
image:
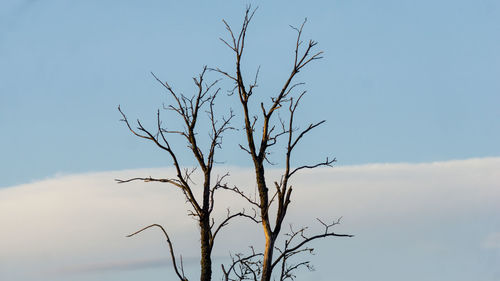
(293, 250)
(150, 179)
(170, 246)
(230, 217)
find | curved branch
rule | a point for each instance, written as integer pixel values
(170, 246)
(327, 162)
(242, 194)
(226, 221)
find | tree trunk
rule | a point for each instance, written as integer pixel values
(268, 258)
(264, 208)
(206, 260)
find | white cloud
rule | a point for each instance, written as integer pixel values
(79, 221)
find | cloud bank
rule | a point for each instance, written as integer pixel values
(75, 224)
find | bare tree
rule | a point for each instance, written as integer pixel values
(262, 135)
(272, 128)
(188, 110)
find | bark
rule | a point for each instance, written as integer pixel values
(267, 269)
(206, 251)
(206, 232)
(268, 233)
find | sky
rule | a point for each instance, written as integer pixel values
(407, 87)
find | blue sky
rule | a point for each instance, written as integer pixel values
(401, 81)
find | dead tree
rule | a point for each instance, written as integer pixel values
(188, 110)
(261, 137)
(272, 128)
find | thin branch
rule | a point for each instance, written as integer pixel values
(170, 246)
(230, 217)
(327, 162)
(246, 266)
(223, 72)
(306, 240)
(150, 179)
(309, 128)
(242, 194)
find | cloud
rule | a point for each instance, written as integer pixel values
(122, 265)
(77, 223)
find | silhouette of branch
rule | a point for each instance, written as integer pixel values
(244, 267)
(150, 179)
(241, 193)
(327, 162)
(182, 277)
(230, 217)
(289, 250)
